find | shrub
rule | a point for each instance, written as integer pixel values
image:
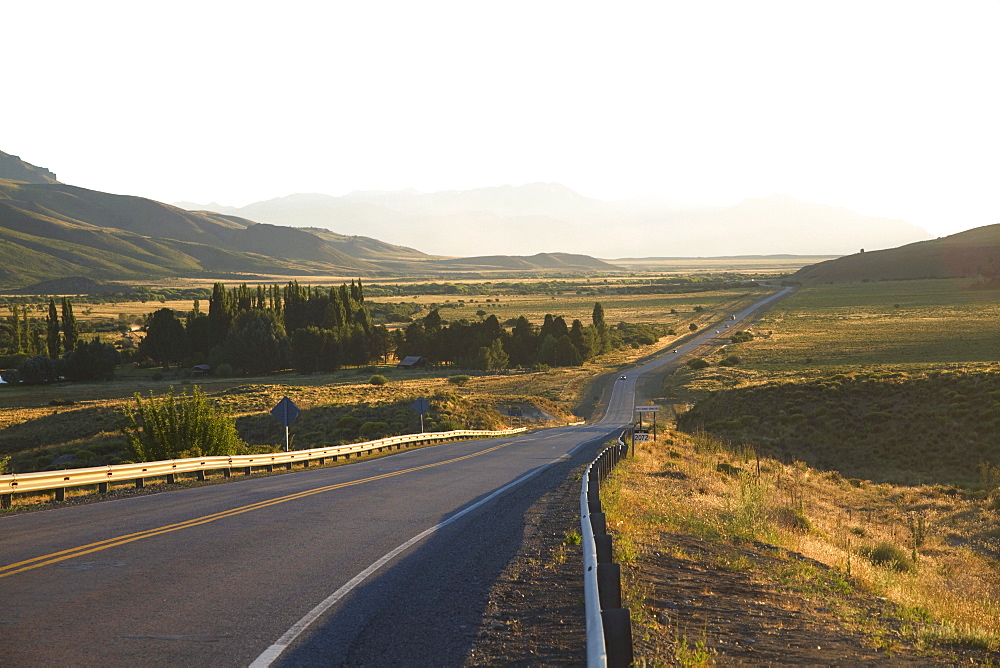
(460, 379)
(697, 363)
(172, 427)
(792, 519)
(887, 555)
(224, 370)
(732, 360)
(378, 379)
(373, 430)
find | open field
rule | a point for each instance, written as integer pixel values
(894, 382)
(71, 425)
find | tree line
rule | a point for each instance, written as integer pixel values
(266, 328)
(487, 345)
(260, 329)
(46, 350)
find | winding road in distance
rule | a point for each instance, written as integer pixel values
(385, 561)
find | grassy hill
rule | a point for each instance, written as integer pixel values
(974, 253)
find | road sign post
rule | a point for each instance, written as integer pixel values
(286, 411)
(421, 406)
(648, 409)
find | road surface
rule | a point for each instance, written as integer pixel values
(385, 561)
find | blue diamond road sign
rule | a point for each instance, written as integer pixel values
(421, 406)
(286, 411)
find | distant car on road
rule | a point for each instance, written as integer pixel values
(622, 378)
(732, 317)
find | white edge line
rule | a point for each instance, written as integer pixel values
(271, 654)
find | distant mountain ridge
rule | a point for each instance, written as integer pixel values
(50, 230)
(538, 217)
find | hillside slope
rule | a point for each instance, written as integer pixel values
(974, 253)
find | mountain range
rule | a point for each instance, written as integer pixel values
(548, 216)
(52, 230)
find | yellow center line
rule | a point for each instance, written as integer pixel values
(55, 557)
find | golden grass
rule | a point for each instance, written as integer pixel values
(951, 595)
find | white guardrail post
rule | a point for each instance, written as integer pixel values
(104, 476)
(609, 625)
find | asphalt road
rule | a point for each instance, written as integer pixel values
(386, 561)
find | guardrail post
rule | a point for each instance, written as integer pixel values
(618, 637)
(609, 585)
(139, 482)
(60, 493)
(603, 545)
(249, 469)
(227, 472)
(321, 461)
(201, 475)
(288, 466)
(171, 478)
(269, 468)
(598, 523)
(6, 500)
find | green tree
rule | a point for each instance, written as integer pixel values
(171, 427)
(52, 331)
(165, 340)
(38, 369)
(602, 338)
(71, 332)
(256, 342)
(493, 357)
(91, 361)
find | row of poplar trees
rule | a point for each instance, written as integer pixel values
(271, 327)
(29, 336)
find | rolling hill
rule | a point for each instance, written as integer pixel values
(974, 253)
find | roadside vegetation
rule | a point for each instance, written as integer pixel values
(824, 544)
(856, 428)
(59, 425)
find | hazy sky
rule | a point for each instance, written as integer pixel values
(888, 108)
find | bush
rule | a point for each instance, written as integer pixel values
(373, 430)
(792, 519)
(378, 379)
(888, 555)
(172, 427)
(460, 379)
(732, 360)
(224, 370)
(697, 363)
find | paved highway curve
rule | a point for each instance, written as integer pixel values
(386, 561)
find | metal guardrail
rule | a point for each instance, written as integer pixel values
(609, 625)
(104, 476)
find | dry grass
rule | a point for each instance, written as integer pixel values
(697, 486)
